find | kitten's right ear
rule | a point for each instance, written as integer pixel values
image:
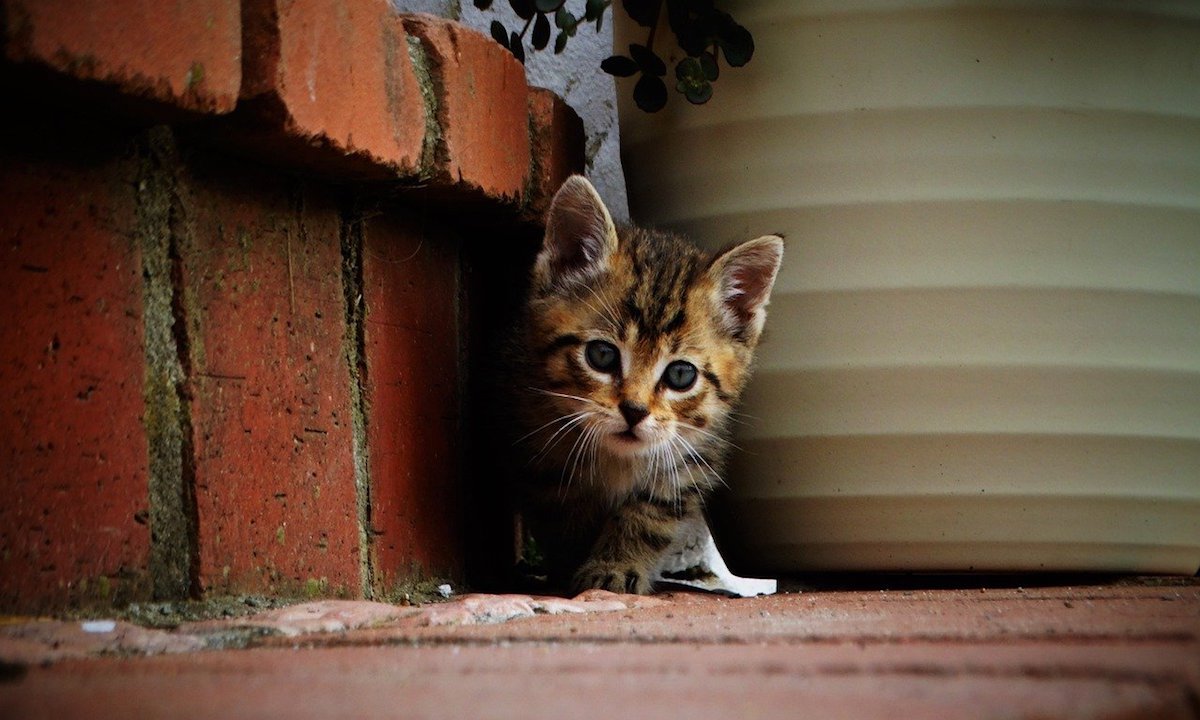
(744, 276)
(580, 236)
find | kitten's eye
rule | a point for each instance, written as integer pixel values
(603, 356)
(680, 375)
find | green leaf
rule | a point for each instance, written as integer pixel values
(691, 38)
(697, 93)
(499, 34)
(688, 70)
(594, 10)
(548, 6)
(692, 82)
(708, 63)
(737, 44)
(692, 24)
(678, 12)
(647, 60)
(523, 8)
(620, 66)
(516, 48)
(563, 19)
(483, 4)
(650, 93)
(643, 12)
(541, 32)
(560, 43)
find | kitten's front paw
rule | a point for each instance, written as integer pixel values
(612, 576)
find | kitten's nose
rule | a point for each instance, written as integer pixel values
(632, 413)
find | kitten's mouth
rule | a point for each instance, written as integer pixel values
(626, 442)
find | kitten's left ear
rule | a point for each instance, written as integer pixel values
(580, 236)
(744, 276)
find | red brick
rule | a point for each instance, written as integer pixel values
(1052, 614)
(410, 286)
(341, 77)
(703, 681)
(185, 54)
(557, 139)
(1130, 650)
(73, 457)
(482, 102)
(271, 418)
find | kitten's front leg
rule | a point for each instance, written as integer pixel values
(632, 542)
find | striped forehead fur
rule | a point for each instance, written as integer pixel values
(663, 269)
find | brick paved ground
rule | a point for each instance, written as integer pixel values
(1123, 649)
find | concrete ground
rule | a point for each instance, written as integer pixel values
(871, 648)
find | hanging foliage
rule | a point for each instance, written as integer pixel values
(705, 33)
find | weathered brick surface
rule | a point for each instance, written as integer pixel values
(270, 409)
(338, 77)
(411, 338)
(1056, 652)
(187, 55)
(482, 108)
(556, 138)
(160, 295)
(73, 459)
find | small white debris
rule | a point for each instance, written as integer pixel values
(98, 626)
(445, 590)
(695, 562)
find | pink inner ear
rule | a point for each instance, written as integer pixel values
(745, 291)
(748, 282)
(574, 248)
(746, 274)
(576, 229)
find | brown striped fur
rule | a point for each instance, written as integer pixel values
(603, 499)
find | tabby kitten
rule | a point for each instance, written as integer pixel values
(632, 352)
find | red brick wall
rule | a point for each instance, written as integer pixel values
(235, 354)
(269, 386)
(73, 519)
(411, 345)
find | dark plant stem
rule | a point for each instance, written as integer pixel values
(526, 28)
(654, 26)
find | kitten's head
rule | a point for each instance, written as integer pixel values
(641, 339)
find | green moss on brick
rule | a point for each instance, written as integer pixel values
(195, 75)
(353, 345)
(415, 587)
(434, 146)
(166, 419)
(314, 587)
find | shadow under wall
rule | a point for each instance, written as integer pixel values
(494, 281)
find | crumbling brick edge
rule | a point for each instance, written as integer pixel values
(443, 177)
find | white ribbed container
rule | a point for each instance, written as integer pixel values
(983, 349)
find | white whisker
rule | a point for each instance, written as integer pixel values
(604, 316)
(716, 476)
(708, 433)
(589, 436)
(595, 449)
(742, 418)
(566, 396)
(559, 434)
(656, 465)
(610, 314)
(682, 461)
(543, 426)
(567, 463)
